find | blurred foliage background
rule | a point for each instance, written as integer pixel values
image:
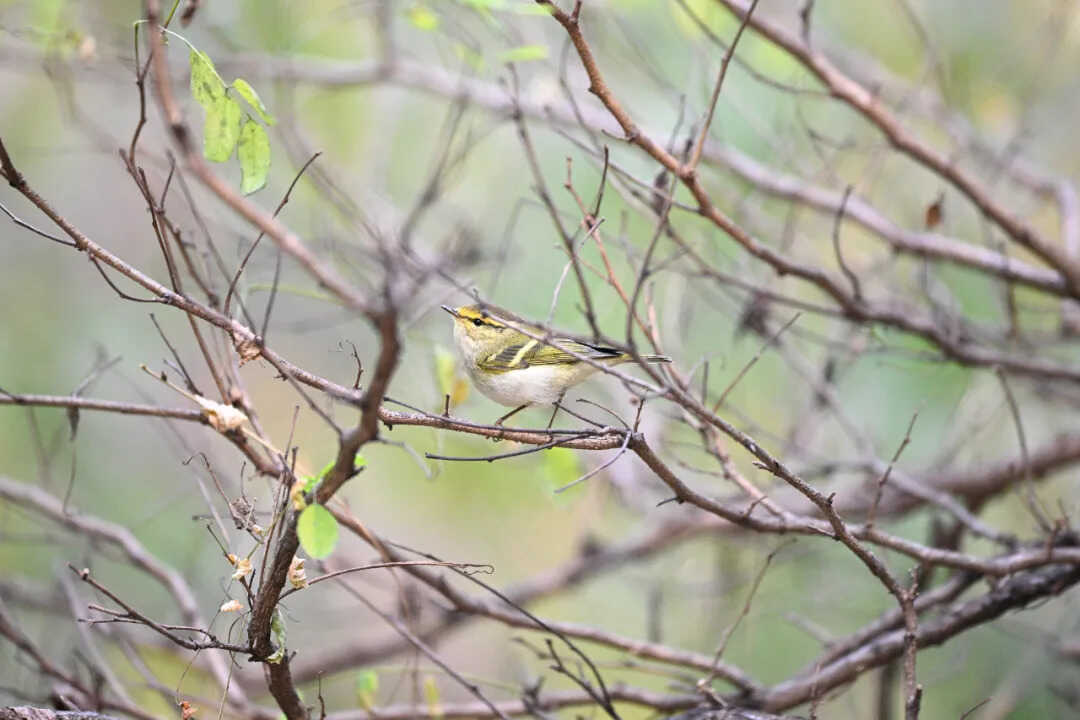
(67, 102)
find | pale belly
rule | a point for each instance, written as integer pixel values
(536, 385)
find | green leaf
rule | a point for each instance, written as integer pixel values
(431, 695)
(317, 530)
(367, 684)
(222, 129)
(470, 56)
(445, 369)
(450, 380)
(206, 85)
(423, 18)
(560, 466)
(484, 7)
(359, 461)
(254, 152)
(252, 98)
(532, 9)
(711, 14)
(524, 53)
(277, 631)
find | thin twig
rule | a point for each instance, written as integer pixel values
(852, 277)
(707, 680)
(757, 356)
(872, 515)
(699, 146)
(1032, 500)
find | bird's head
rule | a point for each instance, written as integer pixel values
(477, 331)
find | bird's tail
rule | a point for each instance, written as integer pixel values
(620, 358)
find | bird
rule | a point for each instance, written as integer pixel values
(515, 370)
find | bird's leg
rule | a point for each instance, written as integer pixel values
(510, 414)
(506, 417)
(558, 407)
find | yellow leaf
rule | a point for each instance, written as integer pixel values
(460, 393)
(296, 494)
(448, 374)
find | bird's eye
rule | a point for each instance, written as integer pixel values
(477, 322)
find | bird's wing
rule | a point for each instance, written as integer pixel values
(533, 352)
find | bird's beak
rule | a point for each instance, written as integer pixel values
(449, 309)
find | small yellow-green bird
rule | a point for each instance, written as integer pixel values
(516, 370)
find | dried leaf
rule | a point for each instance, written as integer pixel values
(222, 418)
(231, 606)
(935, 213)
(73, 420)
(243, 569)
(240, 508)
(246, 348)
(297, 575)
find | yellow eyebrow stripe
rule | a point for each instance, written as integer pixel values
(522, 353)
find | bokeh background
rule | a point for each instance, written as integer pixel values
(68, 102)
